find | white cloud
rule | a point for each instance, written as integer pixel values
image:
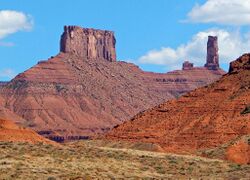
(227, 12)
(13, 21)
(231, 45)
(7, 73)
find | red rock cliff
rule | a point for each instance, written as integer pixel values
(78, 93)
(204, 118)
(88, 43)
(212, 53)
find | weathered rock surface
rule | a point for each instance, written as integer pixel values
(88, 43)
(212, 53)
(8, 114)
(74, 95)
(239, 152)
(2, 83)
(241, 64)
(80, 99)
(187, 65)
(11, 132)
(204, 118)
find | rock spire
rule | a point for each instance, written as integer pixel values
(212, 53)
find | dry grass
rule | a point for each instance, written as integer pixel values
(220, 151)
(94, 160)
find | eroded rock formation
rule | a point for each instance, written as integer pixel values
(88, 43)
(241, 64)
(78, 93)
(212, 53)
(204, 118)
(187, 65)
(212, 61)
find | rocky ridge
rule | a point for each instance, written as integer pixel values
(204, 118)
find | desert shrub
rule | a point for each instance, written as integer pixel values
(190, 169)
(246, 110)
(172, 161)
(51, 178)
(160, 170)
(235, 167)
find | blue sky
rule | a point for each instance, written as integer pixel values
(157, 35)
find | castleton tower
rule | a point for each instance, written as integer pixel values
(212, 53)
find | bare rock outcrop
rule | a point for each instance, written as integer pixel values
(212, 61)
(201, 119)
(212, 53)
(88, 43)
(187, 65)
(243, 63)
(239, 152)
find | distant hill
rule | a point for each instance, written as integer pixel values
(207, 117)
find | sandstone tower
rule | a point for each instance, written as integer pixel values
(212, 53)
(88, 43)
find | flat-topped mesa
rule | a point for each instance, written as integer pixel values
(212, 53)
(187, 65)
(88, 43)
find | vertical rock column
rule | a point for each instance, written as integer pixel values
(212, 53)
(88, 43)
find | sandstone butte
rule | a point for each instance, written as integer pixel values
(10, 132)
(84, 90)
(206, 117)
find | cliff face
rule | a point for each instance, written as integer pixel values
(77, 94)
(88, 43)
(212, 53)
(204, 118)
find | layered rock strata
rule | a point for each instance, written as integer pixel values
(88, 43)
(78, 93)
(204, 118)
